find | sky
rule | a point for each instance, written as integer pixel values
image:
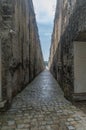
(45, 12)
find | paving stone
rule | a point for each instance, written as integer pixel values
(11, 122)
(77, 118)
(48, 127)
(70, 119)
(22, 129)
(5, 128)
(71, 128)
(42, 106)
(20, 126)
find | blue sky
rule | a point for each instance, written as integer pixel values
(45, 12)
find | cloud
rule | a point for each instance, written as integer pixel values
(44, 10)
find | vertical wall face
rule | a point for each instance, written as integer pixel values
(56, 38)
(0, 75)
(80, 67)
(21, 56)
(71, 21)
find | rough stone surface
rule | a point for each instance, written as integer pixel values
(81, 105)
(42, 106)
(21, 52)
(69, 26)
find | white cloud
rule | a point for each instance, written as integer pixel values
(44, 10)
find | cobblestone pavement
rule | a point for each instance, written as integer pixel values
(42, 106)
(81, 105)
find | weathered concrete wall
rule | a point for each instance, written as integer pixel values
(79, 67)
(21, 56)
(72, 27)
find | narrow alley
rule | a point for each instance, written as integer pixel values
(42, 106)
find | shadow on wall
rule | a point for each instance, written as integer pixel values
(22, 57)
(62, 65)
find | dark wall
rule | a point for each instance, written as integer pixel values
(21, 52)
(73, 28)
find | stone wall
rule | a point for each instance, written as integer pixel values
(72, 27)
(21, 55)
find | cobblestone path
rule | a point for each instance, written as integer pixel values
(81, 105)
(42, 106)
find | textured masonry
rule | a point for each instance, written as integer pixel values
(20, 56)
(69, 26)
